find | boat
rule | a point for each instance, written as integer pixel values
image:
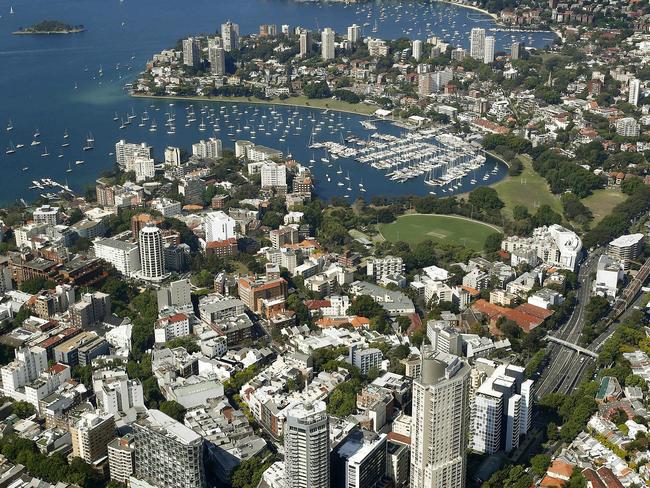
(89, 143)
(25, 168)
(35, 143)
(36, 133)
(45, 153)
(11, 149)
(79, 161)
(65, 134)
(11, 10)
(20, 146)
(10, 126)
(69, 170)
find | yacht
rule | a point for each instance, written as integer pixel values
(89, 143)
(11, 149)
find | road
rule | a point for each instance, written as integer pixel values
(565, 366)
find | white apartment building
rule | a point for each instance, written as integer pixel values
(307, 446)
(168, 328)
(217, 58)
(230, 36)
(338, 307)
(628, 127)
(125, 153)
(354, 33)
(477, 43)
(27, 366)
(327, 44)
(152, 256)
(417, 49)
(46, 384)
(218, 226)
(381, 267)
(439, 423)
(166, 206)
(46, 214)
(553, 245)
(273, 175)
(364, 359)
(377, 48)
(488, 50)
(501, 410)
(172, 156)
(121, 458)
(634, 91)
(212, 148)
(144, 168)
(191, 52)
(626, 248)
(115, 392)
(124, 256)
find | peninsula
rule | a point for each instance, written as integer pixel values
(50, 27)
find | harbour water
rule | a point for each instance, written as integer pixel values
(51, 85)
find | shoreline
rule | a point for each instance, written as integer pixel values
(495, 17)
(252, 100)
(46, 33)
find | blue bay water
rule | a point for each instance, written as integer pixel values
(53, 83)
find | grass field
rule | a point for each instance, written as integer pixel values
(528, 189)
(322, 103)
(601, 203)
(416, 228)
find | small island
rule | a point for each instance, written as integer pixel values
(50, 27)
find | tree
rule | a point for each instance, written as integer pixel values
(551, 432)
(23, 409)
(174, 409)
(519, 212)
(493, 242)
(319, 89)
(248, 473)
(34, 285)
(485, 199)
(540, 463)
(596, 309)
(546, 216)
(365, 306)
(186, 342)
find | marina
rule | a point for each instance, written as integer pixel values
(84, 98)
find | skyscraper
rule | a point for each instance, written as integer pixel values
(516, 50)
(307, 446)
(305, 43)
(501, 410)
(634, 88)
(191, 52)
(354, 33)
(217, 58)
(230, 36)
(167, 453)
(439, 424)
(327, 43)
(488, 50)
(477, 43)
(417, 49)
(152, 256)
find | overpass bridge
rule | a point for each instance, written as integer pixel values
(571, 345)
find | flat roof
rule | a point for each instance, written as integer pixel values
(626, 240)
